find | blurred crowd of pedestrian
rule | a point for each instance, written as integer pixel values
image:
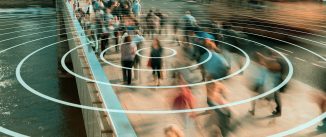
(125, 25)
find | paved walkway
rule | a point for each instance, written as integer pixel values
(299, 101)
(299, 105)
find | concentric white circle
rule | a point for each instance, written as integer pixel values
(135, 86)
(174, 52)
(147, 111)
(292, 131)
(314, 121)
(11, 133)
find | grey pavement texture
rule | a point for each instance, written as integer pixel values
(299, 101)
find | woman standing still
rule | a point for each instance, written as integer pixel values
(128, 52)
(156, 60)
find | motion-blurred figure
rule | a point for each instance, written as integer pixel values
(152, 24)
(185, 100)
(94, 36)
(216, 96)
(136, 8)
(175, 31)
(128, 52)
(163, 20)
(173, 131)
(138, 40)
(156, 60)
(187, 24)
(232, 53)
(270, 68)
(216, 67)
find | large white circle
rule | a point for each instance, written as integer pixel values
(19, 78)
(314, 121)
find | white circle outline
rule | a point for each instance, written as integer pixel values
(174, 52)
(139, 69)
(314, 120)
(288, 132)
(19, 78)
(294, 129)
(11, 133)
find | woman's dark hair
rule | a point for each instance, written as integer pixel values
(158, 42)
(127, 39)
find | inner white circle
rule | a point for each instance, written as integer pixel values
(140, 69)
(174, 52)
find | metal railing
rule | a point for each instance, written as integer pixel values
(119, 122)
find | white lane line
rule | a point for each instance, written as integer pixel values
(284, 49)
(300, 59)
(318, 65)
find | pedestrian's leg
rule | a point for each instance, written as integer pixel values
(96, 43)
(158, 77)
(322, 126)
(153, 73)
(253, 106)
(116, 43)
(223, 122)
(129, 74)
(117, 35)
(124, 72)
(278, 109)
(159, 67)
(136, 66)
(104, 42)
(203, 73)
(186, 122)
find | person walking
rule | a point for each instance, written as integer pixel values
(272, 68)
(163, 21)
(156, 60)
(187, 22)
(216, 96)
(136, 8)
(216, 67)
(152, 23)
(138, 40)
(275, 69)
(128, 52)
(184, 101)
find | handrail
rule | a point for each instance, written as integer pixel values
(120, 122)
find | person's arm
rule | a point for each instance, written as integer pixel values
(134, 49)
(223, 91)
